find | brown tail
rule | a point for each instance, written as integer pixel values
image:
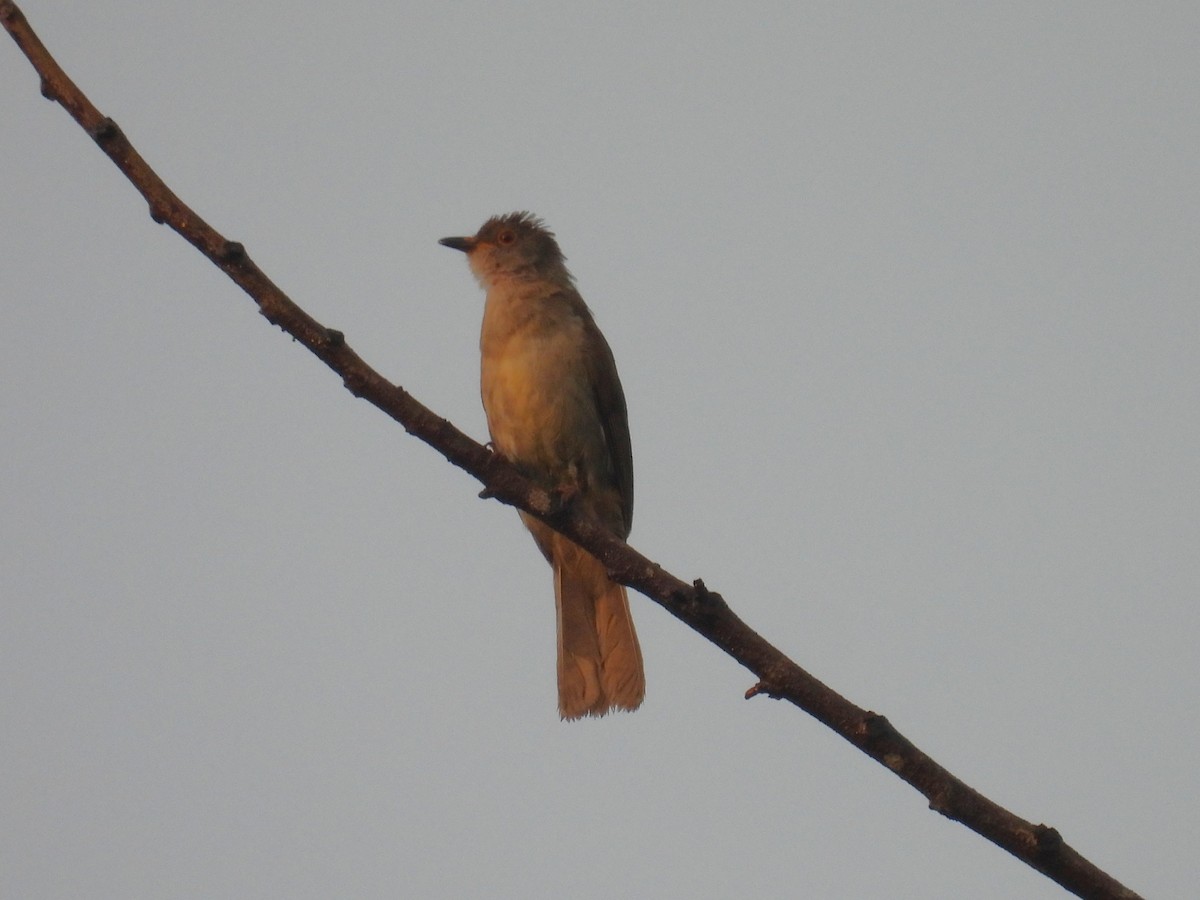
(599, 660)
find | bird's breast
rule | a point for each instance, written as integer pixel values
(539, 402)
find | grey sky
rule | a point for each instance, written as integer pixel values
(904, 302)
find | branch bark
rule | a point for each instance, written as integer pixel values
(703, 611)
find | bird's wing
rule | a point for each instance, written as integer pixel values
(614, 417)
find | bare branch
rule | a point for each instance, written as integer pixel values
(703, 611)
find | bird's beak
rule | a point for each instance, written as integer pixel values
(458, 243)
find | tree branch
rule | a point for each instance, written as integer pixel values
(703, 611)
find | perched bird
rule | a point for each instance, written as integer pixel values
(555, 409)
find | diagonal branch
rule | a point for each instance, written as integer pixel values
(701, 610)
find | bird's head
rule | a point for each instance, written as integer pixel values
(516, 246)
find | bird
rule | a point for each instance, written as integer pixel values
(555, 409)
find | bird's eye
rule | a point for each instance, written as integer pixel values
(506, 237)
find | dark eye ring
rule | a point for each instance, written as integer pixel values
(506, 237)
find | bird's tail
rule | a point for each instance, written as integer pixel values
(599, 660)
